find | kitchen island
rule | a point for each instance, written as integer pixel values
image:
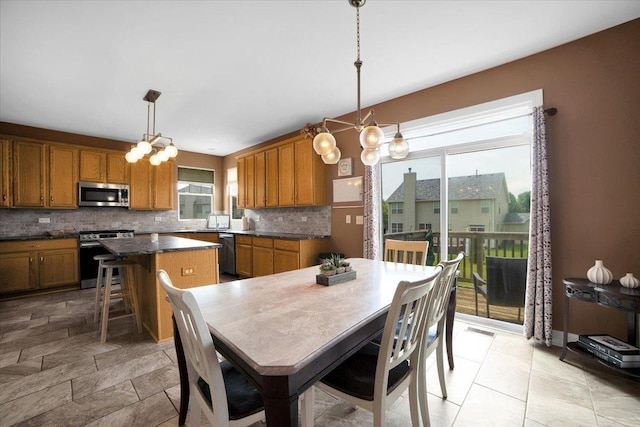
(189, 263)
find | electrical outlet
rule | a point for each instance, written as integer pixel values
(158, 218)
(359, 220)
(188, 271)
(257, 219)
(348, 219)
(280, 219)
(303, 219)
(44, 220)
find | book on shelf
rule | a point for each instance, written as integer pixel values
(612, 346)
(607, 358)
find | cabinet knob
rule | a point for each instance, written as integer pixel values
(41, 197)
(51, 198)
(41, 259)
(30, 260)
(4, 196)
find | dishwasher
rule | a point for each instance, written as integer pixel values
(227, 253)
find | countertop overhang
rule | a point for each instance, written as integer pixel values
(142, 245)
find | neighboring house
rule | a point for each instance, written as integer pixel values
(476, 203)
(516, 222)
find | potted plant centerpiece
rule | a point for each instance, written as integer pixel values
(328, 269)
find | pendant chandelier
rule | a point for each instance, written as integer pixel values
(371, 136)
(152, 142)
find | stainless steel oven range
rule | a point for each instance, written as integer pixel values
(89, 247)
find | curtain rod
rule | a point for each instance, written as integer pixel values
(552, 111)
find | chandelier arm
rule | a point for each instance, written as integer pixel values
(324, 123)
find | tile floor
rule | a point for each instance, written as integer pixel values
(54, 371)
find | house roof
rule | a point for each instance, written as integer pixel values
(516, 218)
(472, 187)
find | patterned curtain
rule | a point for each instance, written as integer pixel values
(371, 231)
(537, 313)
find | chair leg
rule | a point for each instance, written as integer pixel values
(488, 314)
(105, 305)
(308, 399)
(476, 303)
(440, 363)
(128, 277)
(99, 285)
(195, 414)
(413, 401)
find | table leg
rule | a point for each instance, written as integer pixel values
(632, 329)
(182, 370)
(451, 315)
(278, 402)
(565, 327)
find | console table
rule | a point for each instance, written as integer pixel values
(612, 296)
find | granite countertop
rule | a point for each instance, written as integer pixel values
(38, 237)
(144, 245)
(275, 234)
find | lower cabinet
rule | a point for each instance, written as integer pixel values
(262, 256)
(244, 256)
(38, 264)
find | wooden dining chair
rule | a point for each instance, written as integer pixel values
(378, 374)
(405, 251)
(216, 388)
(434, 335)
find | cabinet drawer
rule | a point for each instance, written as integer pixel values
(243, 240)
(263, 242)
(287, 245)
(37, 245)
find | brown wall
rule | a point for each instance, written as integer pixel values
(594, 149)
(185, 158)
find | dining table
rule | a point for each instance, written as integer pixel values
(285, 331)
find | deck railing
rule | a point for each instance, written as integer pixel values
(477, 245)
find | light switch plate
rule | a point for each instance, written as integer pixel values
(44, 220)
(359, 220)
(348, 219)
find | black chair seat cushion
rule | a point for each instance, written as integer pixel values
(242, 397)
(356, 375)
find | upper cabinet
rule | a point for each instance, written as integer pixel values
(151, 187)
(45, 175)
(6, 187)
(102, 166)
(288, 173)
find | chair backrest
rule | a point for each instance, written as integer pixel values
(198, 346)
(442, 289)
(405, 251)
(506, 281)
(406, 318)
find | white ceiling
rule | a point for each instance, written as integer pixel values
(236, 73)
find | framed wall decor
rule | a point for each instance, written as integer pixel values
(345, 167)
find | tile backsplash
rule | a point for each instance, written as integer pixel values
(25, 222)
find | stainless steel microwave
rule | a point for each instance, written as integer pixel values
(97, 194)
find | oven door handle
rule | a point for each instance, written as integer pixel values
(90, 245)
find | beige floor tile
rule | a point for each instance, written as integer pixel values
(39, 330)
(471, 345)
(557, 401)
(29, 323)
(9, 357)
(34, 341)
(506, 373)
(34, 404)
(151, 411)
(104, 378)
(56, 346)
(617, 408)
(128, 349)
(458, 381)
(486, 407)
(42, 380)
(546, 361)
(69, 355)
(604, 422)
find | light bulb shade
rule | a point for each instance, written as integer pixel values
(370, 157)
(131, 157)
(162, 155)
(144, 147)
(137, 152)
(370, 137)
(324, 143)
(171, 150)
(399, 147)
(333, 157)
(154, 160)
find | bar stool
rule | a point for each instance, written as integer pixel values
(100, 283)
(128, 293)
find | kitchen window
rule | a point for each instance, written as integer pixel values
(195, 193)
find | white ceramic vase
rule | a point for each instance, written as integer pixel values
(628, 281)
(599, 274)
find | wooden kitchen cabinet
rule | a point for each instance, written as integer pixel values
(310, 175)
(63, 177)
(266, 178)
(262, 256)
(244, 256)
(259, 184)
(6, 177)
(286, 181)
(38, 264)
(242, 185)
(294, 254)
(45, 175)
(103, 166)
(151, 187)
